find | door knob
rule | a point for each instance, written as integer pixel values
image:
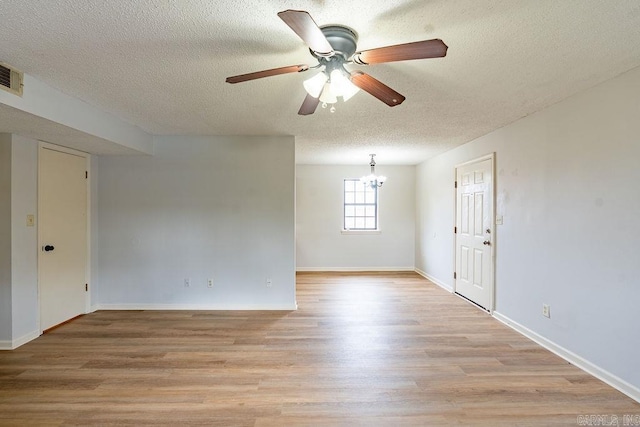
(48, 248)
(486, 242)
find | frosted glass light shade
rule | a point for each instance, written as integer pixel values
(367, 179)
(349, 90)
(327, 96)
(314, 85)
(373, 181)
(342, 86)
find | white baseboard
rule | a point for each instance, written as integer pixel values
(603, 375)
(354, 269)
(434, 280)
(196, 307)
(26, 338)
(13, 344)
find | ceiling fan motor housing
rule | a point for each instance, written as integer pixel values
(342, 39)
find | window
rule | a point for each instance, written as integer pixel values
(360, 206)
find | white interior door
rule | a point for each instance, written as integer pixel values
(474, 232)
(62, 230)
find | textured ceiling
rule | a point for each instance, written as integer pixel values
(161, 65)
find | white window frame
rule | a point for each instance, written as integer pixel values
(376, 204)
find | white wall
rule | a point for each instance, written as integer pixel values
(24, 241)
(199, 208)
(5, 240)
(18, 243)
(567, 186)
(319, 220)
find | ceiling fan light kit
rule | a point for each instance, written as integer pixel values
(333, 46)
(328, 86)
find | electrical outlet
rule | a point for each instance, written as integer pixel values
(546, 310)
(210, 283)
(269, 282)
(187, 283)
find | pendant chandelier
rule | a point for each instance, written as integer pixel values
(372, 180)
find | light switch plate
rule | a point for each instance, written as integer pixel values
(31, 220)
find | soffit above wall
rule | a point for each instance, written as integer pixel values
(19, 122)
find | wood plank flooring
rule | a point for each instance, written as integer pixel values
(362, 349)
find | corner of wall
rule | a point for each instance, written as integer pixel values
(438, 282)
(5, 240)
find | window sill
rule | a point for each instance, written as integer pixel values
(363, 232)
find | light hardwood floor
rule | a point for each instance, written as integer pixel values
(362, 349)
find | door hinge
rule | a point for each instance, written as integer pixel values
(455, 230)
(454, 274)
(86, 287)
(455, 184)
(86, 174)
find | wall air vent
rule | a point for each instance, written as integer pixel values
(11, 79)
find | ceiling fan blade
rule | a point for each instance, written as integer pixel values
(376, 88)
(309, 105)
(306, 28)
(402, 52)
(267, 73)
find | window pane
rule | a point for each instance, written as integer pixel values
(370, 211)
(349, 211)
(349, 223)
(359, 223)
(371, 195)
(349, 185)
(370, 223)
(349, 197)
(359, 197)
(359, 210)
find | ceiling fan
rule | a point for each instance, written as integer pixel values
(334, 46)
